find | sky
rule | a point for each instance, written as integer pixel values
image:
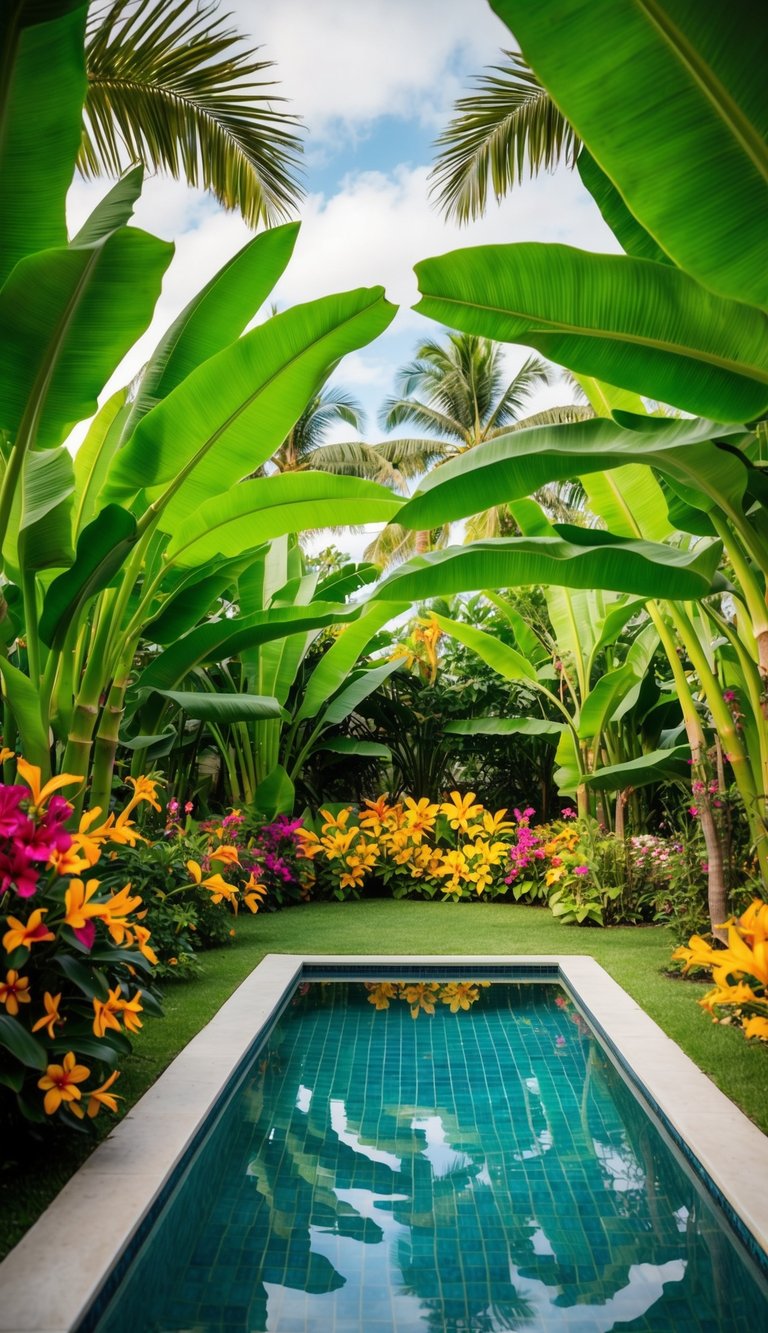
(374, 82)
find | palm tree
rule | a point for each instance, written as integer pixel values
(304, 448)
(458, 392)
(171, 85)
(511, 122)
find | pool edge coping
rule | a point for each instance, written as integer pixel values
(91, 1221)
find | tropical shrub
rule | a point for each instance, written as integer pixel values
(740, 971)
(76, 971)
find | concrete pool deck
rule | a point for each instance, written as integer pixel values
(51, 1277)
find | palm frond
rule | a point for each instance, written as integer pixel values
(171, 85)
(549, 416)
(356, 459)
(412, 458)
(409, 411)
(508, 125)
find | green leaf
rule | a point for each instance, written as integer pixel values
(214, 317)
(504, 726)
(89, 980)
(644, 326)
(101, 550)
(256, 511)
(602, 699)
(224, 707)
(528, 640)
(352, 695)
(231, 413)
(356, 749)
(658, 766)
(633, 238)
(40, 532)
(95, 454)
(192, 599)
(275, 795)
(42, 86)
(346, 581)
(105, 1049)
(219, 639)
(514, 466)
(335, 665)
(67, 318)
(16, 1039)
(673, 108)
(113, 211)
(613, 563)
(24, 702)
(508, 662)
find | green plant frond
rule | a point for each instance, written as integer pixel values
(405, 411)
(496, 522)
(565, 502)
(509, 125)
(531, 375)
(355, 459)
(171, 85)
(390, 546)
(549, 416)
(412, 458)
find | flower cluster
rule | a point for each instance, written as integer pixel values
(740, 971)
(73, 950)
(423, 996)
(456, 847)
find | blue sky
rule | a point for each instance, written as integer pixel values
(375, 81)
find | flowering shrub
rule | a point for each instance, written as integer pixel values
(193, 880)
(740, 971)
(72, 952)
(455, 848)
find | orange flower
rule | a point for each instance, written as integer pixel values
(14, 991)
(226, 854)
(253, 893)
(31, 774)
(99, 1097)
(51, 1016)
(24, 934)
(106, 1013)
(78, 906)
(59, 1083)
(130, 1010)
(142, 935)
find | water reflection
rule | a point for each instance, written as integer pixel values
(464, 1172)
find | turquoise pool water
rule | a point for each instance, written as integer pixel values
(454, 1172)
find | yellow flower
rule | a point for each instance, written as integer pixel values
(106, 1013)
(142, 935)
(309, 844)
(14, 991)
(144, 789)
(338, 844)
(460, 810)
(421, 995)
(23, 934)
(100, 1097)
(116, 910)
(78, 906)
(374, 818)
(59, 1083)
(420, 817)
(88, 841)
(459, 995)
(338, 821)
(253, 893)
(756, 1027)
(130, 1010)
(226, 854)
(51, 1016)
(496, 823)
(31, 774)
(380, 993)
(554, 874)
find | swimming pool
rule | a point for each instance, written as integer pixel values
(425, 1155)
(481, 1169)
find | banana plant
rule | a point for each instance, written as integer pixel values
(141, 537)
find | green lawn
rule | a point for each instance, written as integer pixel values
(636, 956)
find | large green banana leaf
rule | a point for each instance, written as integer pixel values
(231, 413)
(256, 511)
(221, 708)
(352, 695)
(504, 726)
(633, 238)
(648, 327)
(24, 699)
(508, 662)
(214, 317)
(40, 529)
(42, 88)
(113, 211)
(67, 318)
(192, 596)
(658, 766)
(516, 465)
(643, 568)
(95, 454)
(670, 98)
(101, 550)
(335, 665)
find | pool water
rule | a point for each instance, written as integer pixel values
(482, 1167)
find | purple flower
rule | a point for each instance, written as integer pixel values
(581, 870)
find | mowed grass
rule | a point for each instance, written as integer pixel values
(637, 957)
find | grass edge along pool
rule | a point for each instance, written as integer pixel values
(543, 1045)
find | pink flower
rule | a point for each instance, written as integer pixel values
(581, 870)
(188, 807)
(568, 813)
(693, 811)
(729, 696)
(559, 1041)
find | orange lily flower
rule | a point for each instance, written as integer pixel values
(460, 810)
(106, 1013)
(51, 1016)
(142, 935)
(14, 991)
(26, 933)
(59, 1083)
(226, 854)
(130, 1010)
(78, 906)
(253, 893)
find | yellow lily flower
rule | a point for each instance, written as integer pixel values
(130, 1010)
(51, 1016)
(31, 774)
(26, 933)
(461, 810)
(459, 995)
(14, 991)
(381, 992)
(421, 995)
(106, 1013)
(59, 1083)
(227, 854)
(78, 906)
(756, 1027)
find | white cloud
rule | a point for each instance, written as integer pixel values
(345, 62)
